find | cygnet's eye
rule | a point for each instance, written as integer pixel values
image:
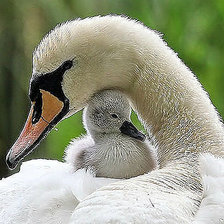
(67, 65)
(114, 116)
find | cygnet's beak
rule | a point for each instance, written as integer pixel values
(129, 129)
(36, 128)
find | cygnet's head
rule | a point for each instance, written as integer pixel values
(109, 112)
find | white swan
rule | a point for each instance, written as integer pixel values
(82, 57)
(113, 147)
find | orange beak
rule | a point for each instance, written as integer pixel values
(32, 134)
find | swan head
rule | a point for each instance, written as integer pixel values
(106, 112)
(73, 62)
(109, 112)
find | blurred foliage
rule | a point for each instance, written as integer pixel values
(194, 29)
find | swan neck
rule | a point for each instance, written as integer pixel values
(176, 110)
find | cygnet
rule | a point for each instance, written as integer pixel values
(113, 147)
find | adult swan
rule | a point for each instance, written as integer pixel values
(82, 57)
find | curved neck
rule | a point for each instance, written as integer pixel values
(175, 108)
(166, 95)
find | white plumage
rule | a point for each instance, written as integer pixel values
(45, 191)
(212, 206)
(137, 199)
(114, 52)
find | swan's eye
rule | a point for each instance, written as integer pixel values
(67, 65)
(114, 116)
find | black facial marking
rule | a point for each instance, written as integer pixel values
(50, 82)
(67, 64)
(37, 109)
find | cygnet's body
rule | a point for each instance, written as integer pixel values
(113, 147)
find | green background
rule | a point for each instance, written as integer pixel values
(194, 29)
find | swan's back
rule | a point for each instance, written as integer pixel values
(45, 191)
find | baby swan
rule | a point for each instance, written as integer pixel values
(113, 147)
